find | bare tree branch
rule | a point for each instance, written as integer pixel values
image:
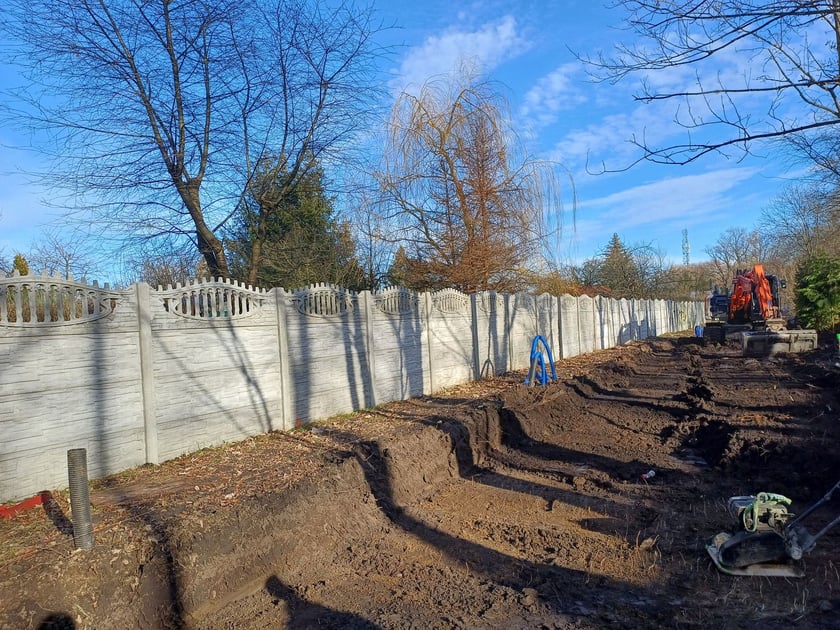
(470, 212)
(160, 112)
(787, 51)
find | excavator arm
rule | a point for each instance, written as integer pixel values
(752, 297)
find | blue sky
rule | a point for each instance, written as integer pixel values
(531, 48)
(528, 47)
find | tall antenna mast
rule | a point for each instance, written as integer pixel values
(686, 247)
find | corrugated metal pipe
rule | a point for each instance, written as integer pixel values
(80, 498)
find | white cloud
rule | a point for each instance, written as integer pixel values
(656, 211)
(614, 142)
(671, 196)
(614, 124)
(552, 93)
(490, 45)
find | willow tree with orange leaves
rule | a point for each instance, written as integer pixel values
(469, 208)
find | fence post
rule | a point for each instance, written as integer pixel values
(147, 373)
(509, 332)
(366, 298)
(476, 350)
(561, 350)
(427, 315)
(287, 417)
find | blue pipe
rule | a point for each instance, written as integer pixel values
(538, 360)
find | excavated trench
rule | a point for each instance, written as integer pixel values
(526, 512)
(533, 513)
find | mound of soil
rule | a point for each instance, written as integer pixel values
(493, 505)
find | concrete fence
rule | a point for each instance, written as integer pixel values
(142, 375)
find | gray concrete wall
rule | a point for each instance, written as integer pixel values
(214, 378)
(144, 375)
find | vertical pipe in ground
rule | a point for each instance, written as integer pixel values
(80, 498)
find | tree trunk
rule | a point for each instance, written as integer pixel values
(256, 255)
(212, 250)
(209, 245)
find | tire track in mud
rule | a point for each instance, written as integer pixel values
(531, 512)
(486, 550)
(517, 517)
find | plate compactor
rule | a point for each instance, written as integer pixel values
(769, 541)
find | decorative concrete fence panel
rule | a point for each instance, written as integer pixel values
(623, 321)
(491, 333)
(397, 330)
(69, 378)
(588, 324)
(638, 321)
(603, 323)
(328, 358)
(523, 327)
(215, 365)
(646, 311)
(450, 338)
(142, 375)
(661, 318)
(570, 333)
(613, 310)
(548, 323)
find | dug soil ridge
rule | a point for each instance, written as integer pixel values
(493, 505)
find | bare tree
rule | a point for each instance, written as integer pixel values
(787, 55)
(4, 266)
(376, 249)
(169, 269)
(470, 212)
(588, 273)
(67, 256)
(735, 249)
(162, 111)
(658, 276)
(802, 222)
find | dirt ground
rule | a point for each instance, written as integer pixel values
(493, 505)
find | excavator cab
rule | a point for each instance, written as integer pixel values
(755, 299)
(754, 317)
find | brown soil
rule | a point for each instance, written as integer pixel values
(493, 506)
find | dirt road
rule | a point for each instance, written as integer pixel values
(492, 506)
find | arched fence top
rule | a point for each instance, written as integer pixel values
(323, 300)
(34, 300)
(486, 301)
(450, 301)
(197, 282)
(212, 299)
(396, 300)
(527, 301)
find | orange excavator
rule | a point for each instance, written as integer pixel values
(755, 299)
(754, 317)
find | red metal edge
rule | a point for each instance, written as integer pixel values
(8, 511)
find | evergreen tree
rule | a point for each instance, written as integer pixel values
(618, 271)
(399, 273)
(818, 293)
(21, 265)
(287, 235)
